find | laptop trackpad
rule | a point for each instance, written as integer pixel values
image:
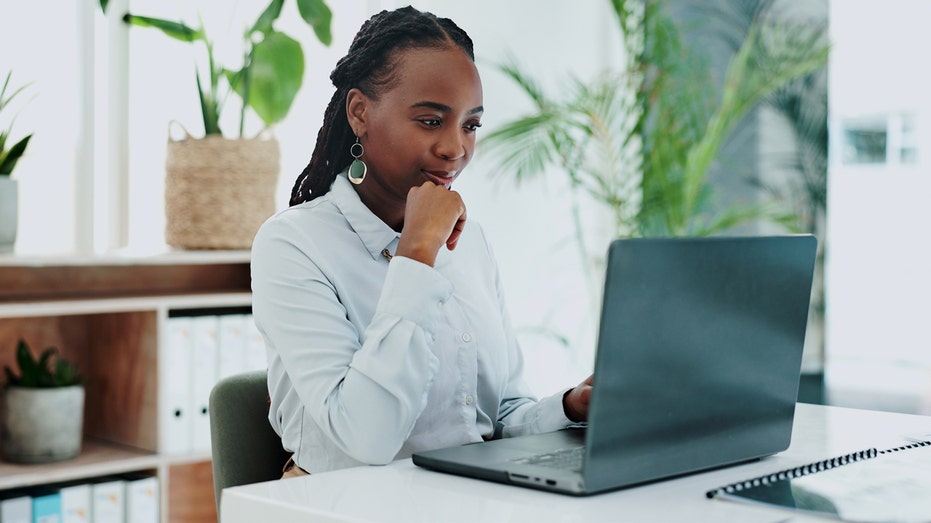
(500, 451)
(548, 441)
(510, 449)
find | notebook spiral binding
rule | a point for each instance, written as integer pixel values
(795, 472)
(913, 444)
(811, 468)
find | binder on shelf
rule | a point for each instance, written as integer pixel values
(203, 360)
(17, 508)
(231, 358)
(46, 507)
(142, 499)
(255, 346)
(108, 501)
(174, 387)
(76, 503)
(869, 485)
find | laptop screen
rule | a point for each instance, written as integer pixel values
(699, 354)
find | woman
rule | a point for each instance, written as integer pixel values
(381, 309)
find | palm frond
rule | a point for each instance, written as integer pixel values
(512, 70)
(641, 140)
(771, 56)
(523, 147)
(735, 215)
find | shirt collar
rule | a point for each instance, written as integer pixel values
(374, 233)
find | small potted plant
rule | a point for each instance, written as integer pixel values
(220, 188)
(10, 153)
(43, 408)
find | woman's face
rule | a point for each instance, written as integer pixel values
(421, 129)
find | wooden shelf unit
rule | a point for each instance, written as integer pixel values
(108, 314)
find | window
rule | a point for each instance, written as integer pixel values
(879, 140)
(56, 174)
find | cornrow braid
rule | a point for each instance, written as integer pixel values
(369, 66)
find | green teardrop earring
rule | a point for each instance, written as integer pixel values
(357, 168)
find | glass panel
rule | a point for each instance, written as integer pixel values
(864, 146)
(43, 51)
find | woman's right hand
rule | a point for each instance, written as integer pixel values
(433, 216)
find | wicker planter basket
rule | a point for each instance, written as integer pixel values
(218, 191)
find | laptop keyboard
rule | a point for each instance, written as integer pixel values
(564, 459)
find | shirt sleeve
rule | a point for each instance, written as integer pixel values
(363, 389)
(519, 412)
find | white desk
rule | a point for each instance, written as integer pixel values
(404, 492)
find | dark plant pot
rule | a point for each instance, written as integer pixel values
(42, 425)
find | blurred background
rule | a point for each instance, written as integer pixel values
(840, 150)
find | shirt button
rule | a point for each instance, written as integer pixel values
(469, 399)
(466, 337)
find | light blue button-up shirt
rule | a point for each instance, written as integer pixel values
(371, 360)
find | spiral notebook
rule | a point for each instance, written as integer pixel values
(876, 486)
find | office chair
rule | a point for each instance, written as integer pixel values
(244, 447)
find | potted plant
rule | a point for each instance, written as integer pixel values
(43, 408)
(220, 188)
(10, 153)
(639, 140)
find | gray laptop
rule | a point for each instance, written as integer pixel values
(697, 366)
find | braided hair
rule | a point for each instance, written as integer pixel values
(370, 66)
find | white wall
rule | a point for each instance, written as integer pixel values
(879, 262)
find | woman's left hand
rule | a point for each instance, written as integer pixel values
(433, 216)
(575, 402)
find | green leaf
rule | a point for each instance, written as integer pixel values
(66, 374)
(176, 30)
(209, 109)
(273, 68)
(523, 147)
(512, 70)
(29, 368)
(738, 214)
(6, 83)
(6, 101)
(319, 17)
(266, 19)
(11, 379)
(277, 72)
(44, 377)
(42, 373)
(103, 5)
(9, 158)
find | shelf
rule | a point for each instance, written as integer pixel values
(21, 309)
(164, 257)
(97, 458)
(59, 279)
(109, 316)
